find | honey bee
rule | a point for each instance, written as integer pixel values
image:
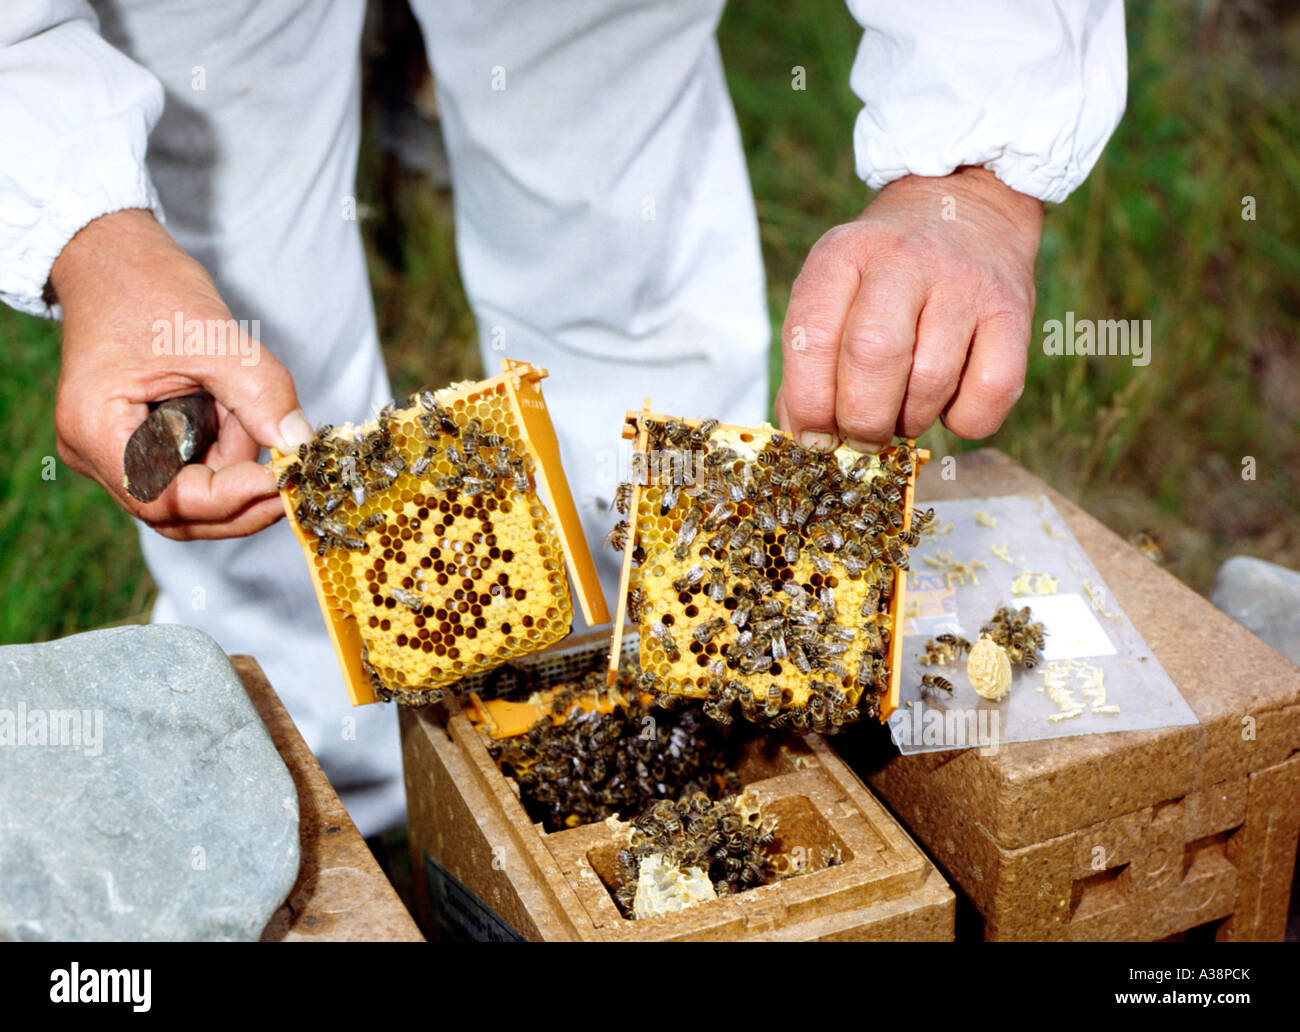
(897, 556)
(668, 500)
(617, 538)
(686, 534)
(717, 584)
(409, 599)
(803, 511)
(661, 634)
(784, 511)
(933, 682)
(772, 704)
(790, 549)
(741, 535)
(689, 579)
(635, 603)
(954, 642)
(705, 430)
(622, 498)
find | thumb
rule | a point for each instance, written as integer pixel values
(258, 390)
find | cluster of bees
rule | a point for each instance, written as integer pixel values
(944, 649)
(338, 472)
(1018, 633)
(595, 765)
(729, 839)
(778, 542)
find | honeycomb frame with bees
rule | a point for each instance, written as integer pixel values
(715, 552)
(431, 552)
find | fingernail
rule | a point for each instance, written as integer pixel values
(294, 430)
(814, 441)
(862, 446)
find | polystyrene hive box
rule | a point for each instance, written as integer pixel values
(485, 869)
(438, 581)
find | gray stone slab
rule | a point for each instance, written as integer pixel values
(141, 797)
(1263, 597)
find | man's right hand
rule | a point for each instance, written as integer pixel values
(118, 279)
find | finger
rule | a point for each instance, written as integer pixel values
(232, 444)
(258, 516)
(876, 357)
(200, 494)
(943, 337)
(994, 377)
(92, 438)
(261, 396)
(782, 412)
(810, 339)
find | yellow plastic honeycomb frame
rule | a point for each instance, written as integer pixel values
(511, 405)
(676, 677)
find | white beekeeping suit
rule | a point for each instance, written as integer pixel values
(605, 225)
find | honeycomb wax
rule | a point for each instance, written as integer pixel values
(431, 534)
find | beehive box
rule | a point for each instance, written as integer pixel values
(765, 578)
(493, 869)
(1186, 831)
(432, 553)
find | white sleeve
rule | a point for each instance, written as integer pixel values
(75, 118)
(1030, 89)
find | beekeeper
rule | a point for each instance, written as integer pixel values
(605, 229)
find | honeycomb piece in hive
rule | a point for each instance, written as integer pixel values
(664, 888)
(763, 573)
(431, 534)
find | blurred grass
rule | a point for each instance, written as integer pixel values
(1156, 233)
(69, 558)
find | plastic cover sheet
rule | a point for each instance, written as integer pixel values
(1096, 675)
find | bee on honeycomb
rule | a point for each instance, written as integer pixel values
(729, 841)
(762, 572)
(429, 532)
(580, 764)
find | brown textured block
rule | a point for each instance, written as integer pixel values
(1196, 824)
(1264, 851)
(467, 816)
(341, 893)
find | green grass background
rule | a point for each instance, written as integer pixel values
(1156, 233)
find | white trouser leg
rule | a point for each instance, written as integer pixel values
(256, 171)
(604, 219)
